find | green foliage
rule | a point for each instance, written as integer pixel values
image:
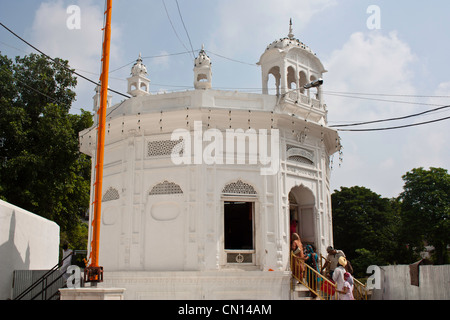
(425, 207)
(372, 230)
(364, 226)
(41, 168)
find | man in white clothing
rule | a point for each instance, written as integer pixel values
(338, 274)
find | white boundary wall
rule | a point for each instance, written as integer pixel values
(434, 283)
(27, 242)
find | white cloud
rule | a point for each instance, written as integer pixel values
(81, 47)
(372, 63)
(369, 63)
(245, 25)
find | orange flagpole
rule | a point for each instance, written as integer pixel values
(94, 272)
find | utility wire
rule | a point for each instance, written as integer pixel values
(385, 100)
(173, 27)
(153, 57)
(185, 29)
(390, 119)
(238, 61)
(55, 61)
(386, 94)
(396, 127)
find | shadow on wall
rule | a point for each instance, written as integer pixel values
(11, 258)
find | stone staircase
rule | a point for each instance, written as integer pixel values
(300, 292)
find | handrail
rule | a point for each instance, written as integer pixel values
(359, 290)
(327, 289)
(313, 280)
(41, 279)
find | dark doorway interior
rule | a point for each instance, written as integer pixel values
(238, 225)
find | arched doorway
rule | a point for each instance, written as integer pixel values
(301, 211)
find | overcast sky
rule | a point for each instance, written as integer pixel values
(384, 59)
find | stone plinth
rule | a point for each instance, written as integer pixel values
(92, 293)
(201, 285)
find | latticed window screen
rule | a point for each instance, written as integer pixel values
(166, 187)
(110, 194)
(239, 187)
(299, 155)
(165, 147)
(300, 159)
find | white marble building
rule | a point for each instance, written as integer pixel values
(190, 213)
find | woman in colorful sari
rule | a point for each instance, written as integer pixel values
(297, 249)
(313, 261)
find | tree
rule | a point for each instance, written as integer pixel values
(425, 208)
(364, 226)
(41, 168)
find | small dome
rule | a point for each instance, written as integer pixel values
(289, 42)
(139, 68)
(202, 59)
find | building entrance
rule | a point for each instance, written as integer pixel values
(239, 231)
(301, 210)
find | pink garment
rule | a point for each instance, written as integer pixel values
(349, 294)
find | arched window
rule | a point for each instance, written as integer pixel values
(275, 72)
(302, 81)
(291, 78)
(238, 188)
(166, 188)
(110, 194)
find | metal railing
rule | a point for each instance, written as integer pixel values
(43, 282)
(313, 280)
(318, 284)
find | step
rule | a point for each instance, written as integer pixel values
(300, 292)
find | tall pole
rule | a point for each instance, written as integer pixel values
(94, 272)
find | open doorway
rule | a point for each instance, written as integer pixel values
(301, 210)
(239, 231)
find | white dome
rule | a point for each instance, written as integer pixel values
(289, 42)
(139, 68)
(202, 59)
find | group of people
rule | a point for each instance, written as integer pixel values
(340, 271)
(337, 267)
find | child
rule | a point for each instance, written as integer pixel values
(347, 292)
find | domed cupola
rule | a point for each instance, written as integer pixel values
(138, 84)
(292, 63)
(202, 71)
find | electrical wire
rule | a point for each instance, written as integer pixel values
(396, 127)
(152, 57)
(386, 94)
(384, 100)
(238, 61)
(389, 119)
(173, 27)
(185, 29)
(55, 61)
(341, 94)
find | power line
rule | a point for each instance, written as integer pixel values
(396, 127)
(384, 100)
(152, 57)
(173, 27)
(386, 94)
(234, 60)
(389, 119)
(55, 61)
(187, 33)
